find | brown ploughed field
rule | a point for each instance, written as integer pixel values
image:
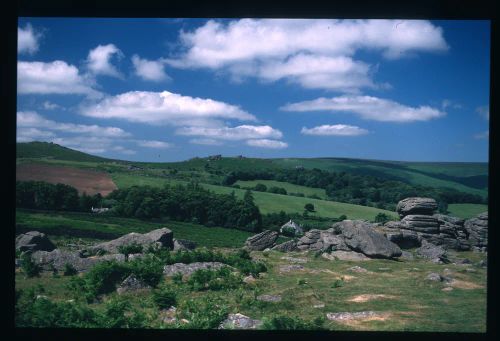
(90, 182)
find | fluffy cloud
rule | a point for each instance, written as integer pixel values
(265, 143)
(151, 70)
(99, 60)
(55, 77)
(272, 49)
(165, 108)
(153, 144)
(32, 134)
(47, 105)
(242, 132)
(484, 111)
(446, 103)
(27, 39)
(206, 142)
(34, 120)
(369, 108)
(335, 130)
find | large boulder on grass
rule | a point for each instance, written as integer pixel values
(359, 236)
(160, 238)
(477, 229)
(416, 205)
(183, 244)
(420, 223)
(34, 241)
(261, 241)
(58, 259)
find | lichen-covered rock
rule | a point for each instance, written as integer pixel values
(261, 241)
(360, 236)
(318, 240)
(33, 241)
(183, 244)
(405, 239)
(420, 223)
(416, 205)
(131, 283)
(433, 252)
(345, 255)
(477, 229)
(393, 224)
(239, 321)
(58, 259)
(160, 238)
(288, 246)
(188, 269)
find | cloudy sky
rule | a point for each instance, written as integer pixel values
(172, 89)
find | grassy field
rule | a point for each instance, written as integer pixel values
(290, 188)
(466, 211)
(408, 303)
(82, 225)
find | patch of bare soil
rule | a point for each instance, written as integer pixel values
(88, 181)
(457, 283)
(356, 320)
(369, 297)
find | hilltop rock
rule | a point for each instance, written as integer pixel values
(261, 241)
(360, 236)
(34, 241)
(59, 259)
(420, 223)
(162, 238)
(318, 240)
(287, 246)
(477, 229)
(416, 205)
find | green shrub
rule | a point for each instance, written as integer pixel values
(291, 323)
(164, 298)
(221, 279)
(148, 269)
(338, 283)
(28, 266)
(382, 218)
(130, 249)
(69, 270)
(177, 278)
(301, 281)
(203, 313)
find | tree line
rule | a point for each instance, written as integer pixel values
(357, 189)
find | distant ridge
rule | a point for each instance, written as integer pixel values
(52, 150)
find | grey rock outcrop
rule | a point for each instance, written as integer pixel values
(58, 259)
(261, 241)
(131, 283)
(477, 228)
(360, 236)
(405, 239)
(420, 223)
(161, 238)
(318, 240)
(290, 245)
(433, 252)
(239, 321)
(34, 241)
(183, 244)
(188, 269)
(345, 255)
(416, 205)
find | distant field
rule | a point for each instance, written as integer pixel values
(85, 225)
(290, 188)
(466, 211)
(87, 181)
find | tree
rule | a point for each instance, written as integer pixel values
(260, 187)
(382, 218)
(309, 207)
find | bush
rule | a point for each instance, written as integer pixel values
(309, 207)
(382, 218)
(260, 188)
(301, 281)
(164, 298)
(177, 278)
(148, 269)
(338, 283)
(288, 231)
(69, 270)
(130, 249)
(214, 280)
(291, 323)
(203, 313)
(28, 266)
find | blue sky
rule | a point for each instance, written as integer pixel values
(173, 89)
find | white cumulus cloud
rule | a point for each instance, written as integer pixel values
(206, 142)
(151, 70)
(27, 39)
(165, 108)
(271, 49)
(99, 60)
(154, 144)
(55, 77)
(242, 132)
(369, 108)
(334, 130)
(266, 143)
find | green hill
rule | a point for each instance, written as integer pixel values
(39, 150)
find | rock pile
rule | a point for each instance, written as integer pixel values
(162, 238)
(419, 223)
(33, 241)
(188, 269)
(261, 241)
